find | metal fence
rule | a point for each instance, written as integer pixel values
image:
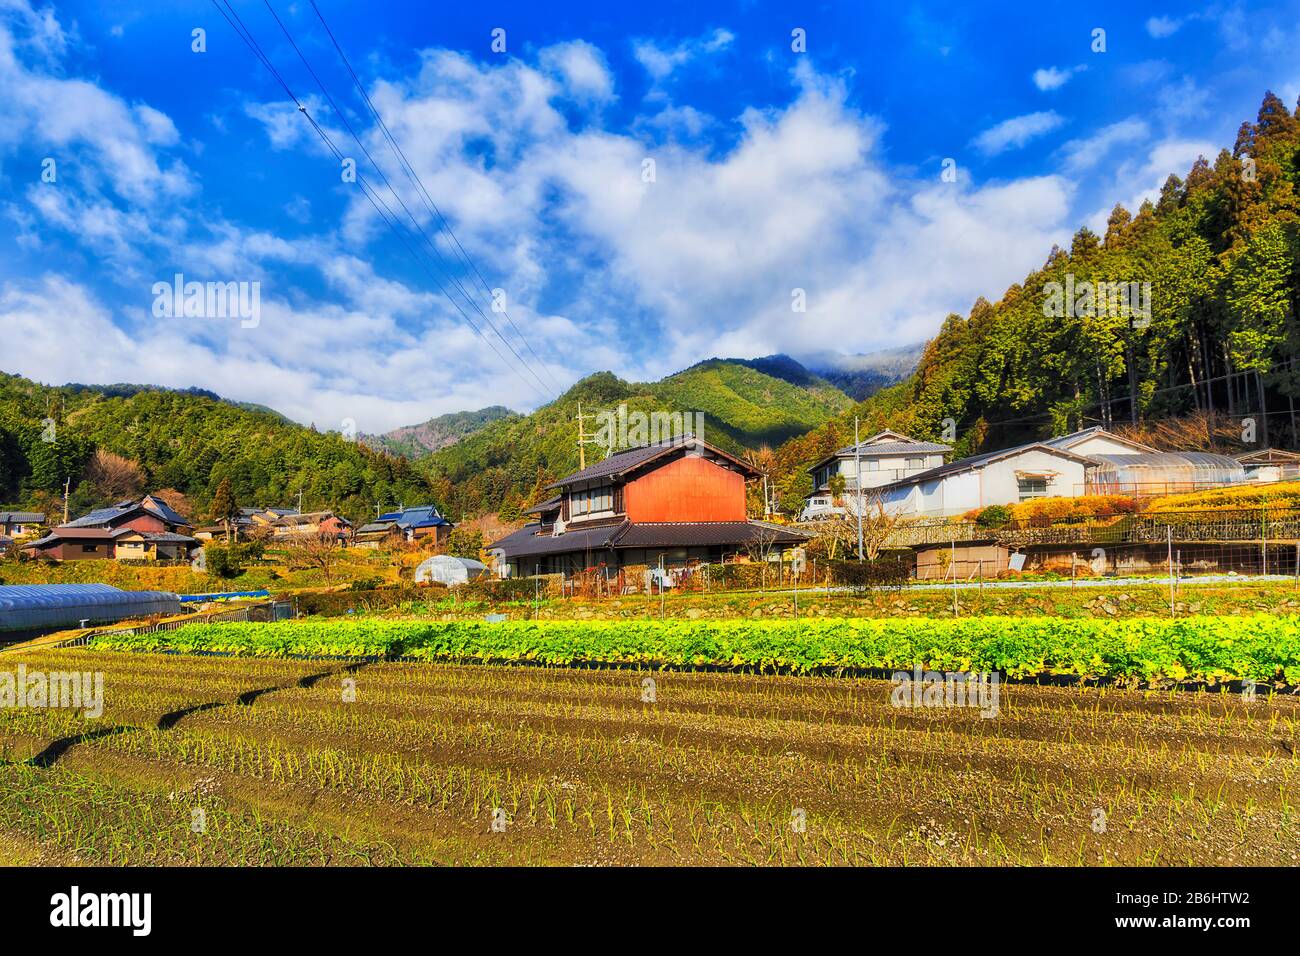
(269, 611)
(1209, 527)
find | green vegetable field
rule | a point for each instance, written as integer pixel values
(1263, 648)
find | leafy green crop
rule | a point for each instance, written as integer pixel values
(1265, 648)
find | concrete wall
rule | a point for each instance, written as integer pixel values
(1000, 487)
(993, 484)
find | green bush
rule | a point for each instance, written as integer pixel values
(1264, 647)
(994, 516)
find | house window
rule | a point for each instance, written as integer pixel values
(89, 548)
(916, 463)
(1032, 488)
(591, 501)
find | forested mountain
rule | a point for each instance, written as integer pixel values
(489, 460)
(507, 464)
(861, 376)
(183, 440)
(1214, 332)
(416, 441)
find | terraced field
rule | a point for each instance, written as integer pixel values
(258, 761)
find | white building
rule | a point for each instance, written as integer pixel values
(882, 459)
(1091, 461)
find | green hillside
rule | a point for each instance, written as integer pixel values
(187, 441)
(1220, 250)
(507, 464)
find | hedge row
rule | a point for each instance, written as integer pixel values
(1265, 648)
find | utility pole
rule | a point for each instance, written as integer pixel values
(1169, 531)
(952, 561)
(583, 440)
(67, 485)
(857, 478)
(661, 586)
(299, 501)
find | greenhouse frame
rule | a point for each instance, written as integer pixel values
(1162, 473)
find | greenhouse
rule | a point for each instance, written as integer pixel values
(29, 607)
(1162, 473)
(445, 569)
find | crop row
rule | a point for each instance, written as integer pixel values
(1264, 648)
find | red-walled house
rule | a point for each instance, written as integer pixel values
(681, 501)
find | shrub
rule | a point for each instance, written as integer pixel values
(994, 516)
(1042, 512)
(512, 589)
(1282, 495)
(333, 603)
(864, 575)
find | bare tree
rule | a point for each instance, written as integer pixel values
(878, 527)
(113, 476)
(312, 550)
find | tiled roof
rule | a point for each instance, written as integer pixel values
(312, 517)
(896, 448)
(423, 516)
(526, 542)
(162, 537)
(103, 516)
(67, 533)
(164, 510)
(625, 461)
(100, 516)
(21, 517)
(686, 534)
(979, 461)
(898, 444)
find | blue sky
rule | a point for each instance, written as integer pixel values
(775, 170)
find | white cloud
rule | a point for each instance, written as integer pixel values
(602, 269)
(1052, 78)
(1086, 153)
(1163, 26)
(581, 67)
(1184, 100)
(1139, 177)
(1016, 132)
(71, 119)
(660, 61)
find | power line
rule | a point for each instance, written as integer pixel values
(421, 191)
(386, 214)
(473, 303)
